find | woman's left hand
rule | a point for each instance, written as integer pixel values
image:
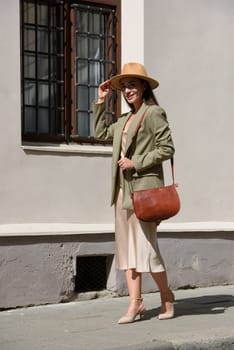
(125, 164)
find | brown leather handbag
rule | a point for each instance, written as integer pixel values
(155, 204)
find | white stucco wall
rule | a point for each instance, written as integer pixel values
(132, 34)
(188, 48)
(132, 31)
(44, 187)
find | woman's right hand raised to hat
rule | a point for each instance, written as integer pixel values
(104, 90)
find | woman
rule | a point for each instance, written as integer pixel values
(136, 241)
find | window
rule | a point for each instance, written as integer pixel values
(68, 48)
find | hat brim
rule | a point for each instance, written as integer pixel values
(115, 81)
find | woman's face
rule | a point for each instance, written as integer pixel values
(132, 89)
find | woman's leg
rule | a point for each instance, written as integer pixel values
(136, 306)
(167, 297)
(161, 280)
(133, 279)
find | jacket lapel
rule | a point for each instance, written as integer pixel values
(118, 137)
(132, 127)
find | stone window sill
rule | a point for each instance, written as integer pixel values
(63, 148)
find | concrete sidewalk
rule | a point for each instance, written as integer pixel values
(204, 320)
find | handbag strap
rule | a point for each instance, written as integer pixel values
(172, 170)
(128, 153)
(139, 123)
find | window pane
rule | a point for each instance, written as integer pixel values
(53, 97)
(42, 15)
(29, 119)
(93, 94)
(43, 94)
(81, 46)
(102, 49)
(43, 120)
(82, 21)
(59, 68)
(54, 17)
(91, 122)
(29, 66)
(82, 98)
(103, 20)
(82, 72)
(42, 40)
(58, 95)
(56, 42)
(60, 118)
(94, 47)
(94, 22)
(82, 120)
(43, 67)
(29, 12)
(94, 73)
(29, 93)
(29, 39)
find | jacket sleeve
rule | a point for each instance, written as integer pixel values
(101, 130)
(155, 125)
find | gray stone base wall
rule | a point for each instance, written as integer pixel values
(40, 270)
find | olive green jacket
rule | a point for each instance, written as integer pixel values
(153, 145)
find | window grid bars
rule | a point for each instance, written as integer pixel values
(108, 36)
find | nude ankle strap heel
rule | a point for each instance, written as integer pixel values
(167, 300)
(130, 317)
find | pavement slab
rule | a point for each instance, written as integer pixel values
(204, 319)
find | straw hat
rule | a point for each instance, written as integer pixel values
(135, 70)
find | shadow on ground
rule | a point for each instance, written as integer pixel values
(209, 304)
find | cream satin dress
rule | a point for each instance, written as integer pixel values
(136, 241)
